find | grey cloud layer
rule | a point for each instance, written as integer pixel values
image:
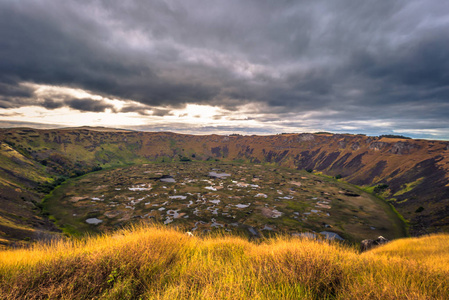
(360, 59)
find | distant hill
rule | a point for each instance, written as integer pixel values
(97, 128)
(412, 174)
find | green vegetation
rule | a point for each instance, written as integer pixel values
(184, 158)
(47, 187)
(381, 191)
(394, 136)
(409, 186)
(380, 188)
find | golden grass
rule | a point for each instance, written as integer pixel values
(148, 262)
(432, 251)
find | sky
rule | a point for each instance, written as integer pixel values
(209, 66)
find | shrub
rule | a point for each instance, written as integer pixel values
(380, 188)
(419, 209)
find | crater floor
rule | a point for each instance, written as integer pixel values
(204, 196)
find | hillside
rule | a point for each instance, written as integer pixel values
(161, 263)
(412, 174)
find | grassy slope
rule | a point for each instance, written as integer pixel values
(22, 170)
(159, 263)
(19, 176)
(400, 224)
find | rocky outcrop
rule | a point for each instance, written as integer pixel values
(366, 245)
(377, 146)
(306, 137)
(355, 146)
(403, 148)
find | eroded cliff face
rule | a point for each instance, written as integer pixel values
(412, 174)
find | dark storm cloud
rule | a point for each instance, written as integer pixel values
(146, 111)
(9, 124)
(25, 96)
(360, 60)
(162, 112)
(51, 104)
(141, 110)
(88, 105)
(14, 90)
(13, 94)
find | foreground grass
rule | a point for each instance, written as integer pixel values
(159, 263)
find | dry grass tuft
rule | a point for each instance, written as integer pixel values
(150, 262)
